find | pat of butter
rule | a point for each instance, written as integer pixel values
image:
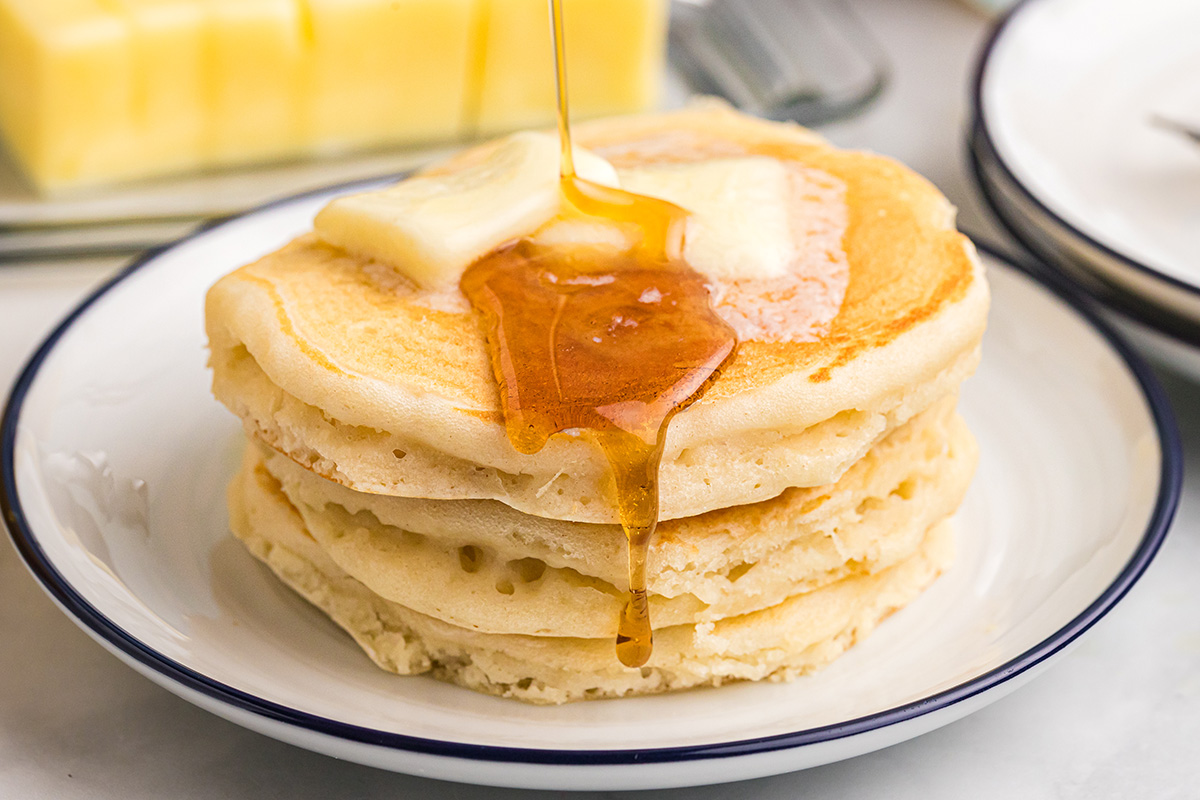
(432, 227)
(741, 209)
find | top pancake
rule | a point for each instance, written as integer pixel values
(344, 366)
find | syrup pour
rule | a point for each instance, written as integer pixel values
(602, 344)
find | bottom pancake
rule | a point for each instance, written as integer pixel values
(796, 636)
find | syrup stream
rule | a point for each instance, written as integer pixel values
(602, 344)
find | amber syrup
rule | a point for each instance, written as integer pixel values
(603, 344)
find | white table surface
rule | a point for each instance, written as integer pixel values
(1119, 717)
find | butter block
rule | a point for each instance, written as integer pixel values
(96, 91)
(169, 44)
(387, 72)
(614, 52)
(66, 89)
(254, 56)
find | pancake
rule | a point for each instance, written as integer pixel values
(481, 565)
(794, 637)
(353, 374)
(803, 497)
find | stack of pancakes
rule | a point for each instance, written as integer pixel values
(803, 497)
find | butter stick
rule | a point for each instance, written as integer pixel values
(99, 91)
(66, 89)
(614, 52)
(387, 72)
(169, 41)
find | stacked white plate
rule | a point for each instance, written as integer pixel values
(1068, 153)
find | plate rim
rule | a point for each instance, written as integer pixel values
(98, 625)
(978, 126)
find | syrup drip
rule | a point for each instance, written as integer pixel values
(602, 344)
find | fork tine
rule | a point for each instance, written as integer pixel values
(1166, 123)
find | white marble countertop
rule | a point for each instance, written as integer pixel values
(1116, 718)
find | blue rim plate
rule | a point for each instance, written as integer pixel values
(1163, 336)
(550, 767)
(1117, 279)
(1042, 235)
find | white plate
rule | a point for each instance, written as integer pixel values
(1064, 97)
(114, 461)
(1169, 339)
